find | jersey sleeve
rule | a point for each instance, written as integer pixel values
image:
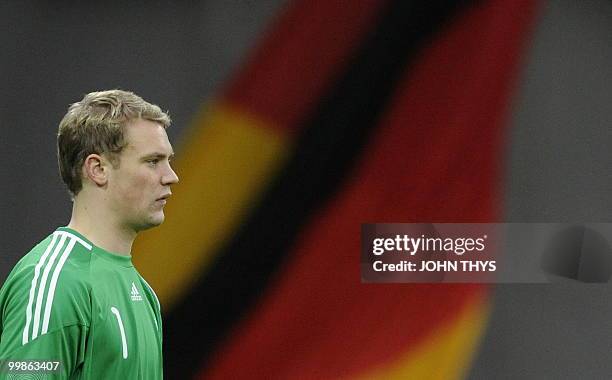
(62, 349)
(45, 316)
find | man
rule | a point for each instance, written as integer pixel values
(75, 307)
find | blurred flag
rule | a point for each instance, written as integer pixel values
(381, 111)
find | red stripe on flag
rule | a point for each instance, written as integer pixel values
(435, 158)
(296, 63)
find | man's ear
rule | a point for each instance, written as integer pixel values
(96, 168)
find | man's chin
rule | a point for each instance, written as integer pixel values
(152, 222)
(157, 220)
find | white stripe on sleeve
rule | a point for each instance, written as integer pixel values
(41, 262)
(51, 295)
(43, 285)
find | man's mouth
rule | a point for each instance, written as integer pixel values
(162, 200)
(164, 197)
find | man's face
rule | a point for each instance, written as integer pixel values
(139, 186)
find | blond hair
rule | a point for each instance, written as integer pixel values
(96, 124)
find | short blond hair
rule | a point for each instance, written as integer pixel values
(96, 124)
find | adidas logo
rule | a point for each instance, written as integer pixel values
(135, 295)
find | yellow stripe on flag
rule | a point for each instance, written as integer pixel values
(447, 354)
(223, 165)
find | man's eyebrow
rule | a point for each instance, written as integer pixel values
(159, 155)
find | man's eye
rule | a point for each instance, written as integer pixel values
(153, 161)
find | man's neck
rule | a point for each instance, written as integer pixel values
(101, 230)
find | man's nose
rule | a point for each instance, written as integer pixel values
(170, 178)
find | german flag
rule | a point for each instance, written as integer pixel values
(346, 113)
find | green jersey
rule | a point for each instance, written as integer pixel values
(71, 310)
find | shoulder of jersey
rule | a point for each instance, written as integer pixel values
(62, 259)
(54, 282)
(62, 250)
